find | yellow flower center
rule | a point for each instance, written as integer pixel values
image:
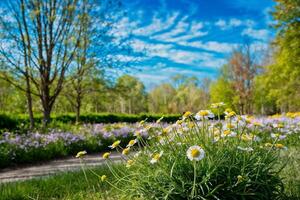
(103, 178)
(106, 155)
(125, 151)
(116, 143)
(279, 146)
(156, 156)
(195, 153)
(231, 114)
(131, 142)
(187, 114)
(130, 162)
(203, 113)
(226, 132)
(230, 126)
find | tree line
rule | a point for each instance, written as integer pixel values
(53, 53)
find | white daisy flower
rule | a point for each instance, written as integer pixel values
(195, 153)
(204, 114)
(156, 157)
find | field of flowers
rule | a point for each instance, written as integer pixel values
(240, 157)
(34, 147)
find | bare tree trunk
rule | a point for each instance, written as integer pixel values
(78, 107)
(47, 106)
(46, 116)
(29, 103)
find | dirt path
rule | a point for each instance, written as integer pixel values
(51, 167)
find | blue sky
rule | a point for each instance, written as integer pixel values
(190, 37)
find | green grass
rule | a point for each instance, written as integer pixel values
(63, 186)
(73, 185)
(291, 173)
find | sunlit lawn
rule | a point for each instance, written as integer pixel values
(69, 185)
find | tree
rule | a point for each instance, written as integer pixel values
(43, 45)
(235, 85)
(131, 95)
(283, 76)
(161, 98)
(222, 90)
(243, 70)
(84, 62)
(280, 81)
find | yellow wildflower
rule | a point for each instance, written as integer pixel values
(142, 122)
(230, 126)
(106, 155)
(279, 146)
(186, 114)
(231, 114)
(126, 151)
(129, 163)
(115, 144)
(103, 178)
(179, 121)
(80, 154)
(226, 132)
(131, 143)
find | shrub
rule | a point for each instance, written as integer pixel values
(201, 160)
(20, 123)
(7, 122)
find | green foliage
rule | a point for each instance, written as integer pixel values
(281, 80)
(7, 122)
(131, 95)
(183, 94)
(21, 122)
(221, 90)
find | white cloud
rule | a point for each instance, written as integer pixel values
(183, 31)
(260, 34)
(180, 27)
(156, 25)
(233, 22)
(175, 37)
(221, 23)
(219, 47)
(127, 58)
(188, 57)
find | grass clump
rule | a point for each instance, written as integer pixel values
(198, 159)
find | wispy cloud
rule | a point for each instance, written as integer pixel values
(233, 22)
(260, 34)
(175, 41)
(157, 24)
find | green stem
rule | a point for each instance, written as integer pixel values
(194, 184)
(82, 168)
